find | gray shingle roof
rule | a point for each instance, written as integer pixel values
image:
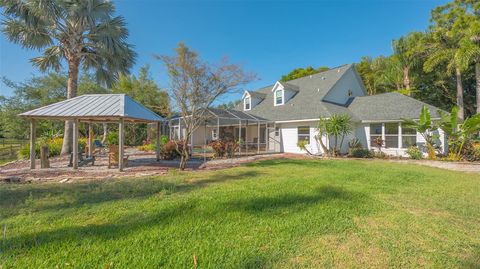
(388, 106)
(95, 107)
(307, 103)
(258, 95)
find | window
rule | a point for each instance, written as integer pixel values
(304, 133)
(247, 103)
(409, 137)
(214, 134)
(277, 131)
(375, 132)
(350, 93)
(391, 135)
(279, 97)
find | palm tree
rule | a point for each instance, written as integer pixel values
(445, 50)
(407, 50)
(449, 28)
(425, 126)
(470, 52)
(82, 33)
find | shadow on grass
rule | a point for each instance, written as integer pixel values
(286, 161)
(38, 197)
(274, 204)
(97, 232)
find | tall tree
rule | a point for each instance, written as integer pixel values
(83, 33)
(408, 50)
(144, 90)
(39, 91)
(469, 52)
(302, 72)
(448, 28)
(195, 85)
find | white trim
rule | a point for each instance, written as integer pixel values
(277, 84)
(245, 103)
(288, 121)
(275, 97)
(381, 121)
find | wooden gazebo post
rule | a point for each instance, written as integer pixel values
(75, 144)
(121, 138)
(157, 149)
(90, 139)
(32, 143)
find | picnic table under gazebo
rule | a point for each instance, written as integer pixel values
(94, 108)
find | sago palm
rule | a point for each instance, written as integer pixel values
(79, 33)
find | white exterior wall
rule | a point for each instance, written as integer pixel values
(289, 137)
(339, 93)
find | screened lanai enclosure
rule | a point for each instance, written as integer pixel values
(254, 134)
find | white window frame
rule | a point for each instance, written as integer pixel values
(249, 98)
(214, 134)
(391, 135)
(275, 97)
(383, 135)
(400, 142)
(304, 135)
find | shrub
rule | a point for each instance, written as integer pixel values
(224, 148)
(112, 138)
(54, 147)
(360, 153)
(354, 144)
(380, 155)
(149, 145)
(414, 153)
(169, 150)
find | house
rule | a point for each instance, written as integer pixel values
(276, 117)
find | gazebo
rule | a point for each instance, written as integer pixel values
(94, 108)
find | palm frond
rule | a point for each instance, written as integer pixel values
(51, 59)
(27, 36)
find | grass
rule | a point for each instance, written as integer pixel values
(269, 214)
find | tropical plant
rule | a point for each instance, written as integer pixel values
(223, 148)
(459, 134)
(339, 126)
(112, 138)
(407, 50)
(83, 33)
(414, 153)
(425, 126)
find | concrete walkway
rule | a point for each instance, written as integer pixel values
(472, 167)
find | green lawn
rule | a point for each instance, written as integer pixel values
(270, 214)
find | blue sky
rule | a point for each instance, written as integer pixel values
(267, 37)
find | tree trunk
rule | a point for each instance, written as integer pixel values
(71, 92)
(406, 80)
(461, 111)
(105, 133)
(477, 78)
(184, 155)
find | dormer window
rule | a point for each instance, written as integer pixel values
(247, 103)
(279, 97)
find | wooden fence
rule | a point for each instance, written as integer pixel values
(9, 147)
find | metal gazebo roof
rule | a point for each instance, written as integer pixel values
(96, 108)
